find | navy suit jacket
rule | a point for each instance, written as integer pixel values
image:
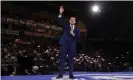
(66, 34)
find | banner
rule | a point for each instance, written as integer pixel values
(31, 23)
(29, 33)
(38, 35)
(13, 32)
(7, 31)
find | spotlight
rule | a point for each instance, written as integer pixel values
(95, 9)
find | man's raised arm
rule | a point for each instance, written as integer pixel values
(60, 21)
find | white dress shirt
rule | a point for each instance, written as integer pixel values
(72, 26)
(60, 16)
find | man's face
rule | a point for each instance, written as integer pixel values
(72, 20)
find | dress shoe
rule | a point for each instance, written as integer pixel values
(59, 76)
(72, 77)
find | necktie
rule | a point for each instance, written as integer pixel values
(71, 27)
(71, 30)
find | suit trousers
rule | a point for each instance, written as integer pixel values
(70, 49)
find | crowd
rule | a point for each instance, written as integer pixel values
(16, 57)
(20, 59)
(31, 56)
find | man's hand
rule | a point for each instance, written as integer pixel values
(61, 9)
(72, 33)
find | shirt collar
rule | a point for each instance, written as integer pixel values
(72, 25)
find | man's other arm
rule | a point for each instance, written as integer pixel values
(77, 36)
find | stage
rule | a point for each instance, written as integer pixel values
(78, 75)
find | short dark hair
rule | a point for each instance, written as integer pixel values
(72, 17)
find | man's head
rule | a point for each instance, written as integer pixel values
(72, 20)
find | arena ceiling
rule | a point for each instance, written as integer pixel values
(115, 19)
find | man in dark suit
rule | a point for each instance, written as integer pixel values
(67, 43)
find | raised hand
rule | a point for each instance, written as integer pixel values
(61, 9)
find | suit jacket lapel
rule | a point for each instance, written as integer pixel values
(74, 29)
(70, 28)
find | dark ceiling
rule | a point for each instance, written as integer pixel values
(114, 20)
